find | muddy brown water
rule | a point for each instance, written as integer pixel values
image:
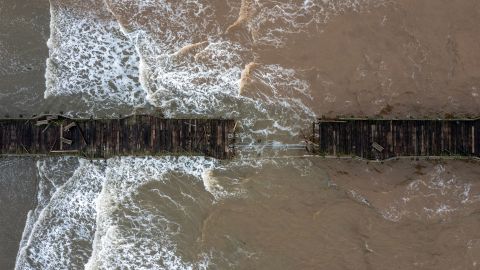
(298, 59)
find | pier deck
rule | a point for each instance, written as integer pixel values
(383, 139)
(104, 138)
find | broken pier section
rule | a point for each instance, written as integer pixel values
(103, 138)
(383, 139)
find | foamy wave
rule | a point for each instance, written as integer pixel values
(91, 60)
(184, 66)
(206, 81)
(62, 234)
(442, 194)
(205, 78)
(274, 104)
(221, 190)
(227, 181)
(131, 229)
(203, 82)
(82, 219)
(274, 22)
(52, 174)
(170, 25)
(188, 68)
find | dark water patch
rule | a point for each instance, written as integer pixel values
(18, 181)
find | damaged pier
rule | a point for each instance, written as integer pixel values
(137, 135)
(384, 139)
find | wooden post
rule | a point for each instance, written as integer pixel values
(61, 137)
(473, 139)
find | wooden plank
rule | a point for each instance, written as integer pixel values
(42, 122)
(69, 126)
(61, 137)
(377, 147)
(66, 141)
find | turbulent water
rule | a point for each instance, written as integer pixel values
(274, 66)
(287, 213)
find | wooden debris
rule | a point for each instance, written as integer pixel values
(377, 147)
(46, 127)
(69, 126)
(42, 122)
(67, 141)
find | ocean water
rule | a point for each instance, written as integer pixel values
(274, 66)
(270, 213)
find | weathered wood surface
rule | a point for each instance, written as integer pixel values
(366, 138)
(104, 138)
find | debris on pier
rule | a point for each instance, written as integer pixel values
(103, 138)
(383, 139)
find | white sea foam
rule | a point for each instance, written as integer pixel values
(60, 237)
(52, 174)
(205, 83)
(77, 220)
(91, 58)
(442, 195)
(170, 25)
(275, 21)
(129, 233)
(229, 188)
(188, 68)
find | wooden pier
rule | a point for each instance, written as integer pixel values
(383, 139)
(136, 135)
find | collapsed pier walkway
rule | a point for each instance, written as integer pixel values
(104, 138)
(384, 139)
